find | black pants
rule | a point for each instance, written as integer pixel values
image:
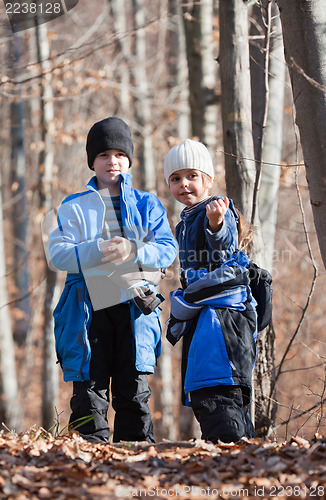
(112, 361)
(222, 413)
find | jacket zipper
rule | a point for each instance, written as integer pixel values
(84, 301)
(84, 333)
(126, 206)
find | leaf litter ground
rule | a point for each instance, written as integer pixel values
(36, 465)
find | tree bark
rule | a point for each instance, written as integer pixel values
(236, 104)
(303, 23)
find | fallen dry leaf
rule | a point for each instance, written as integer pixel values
(34, 465)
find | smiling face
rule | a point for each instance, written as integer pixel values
(108, 165)
(189, 186)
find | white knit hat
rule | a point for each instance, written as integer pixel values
(189, 154)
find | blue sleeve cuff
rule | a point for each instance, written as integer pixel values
(221, 233)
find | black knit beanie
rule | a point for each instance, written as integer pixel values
(110, 133)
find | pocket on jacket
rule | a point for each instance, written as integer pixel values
(58, 329)
(60, 305)
(208, 360)
(238, 329)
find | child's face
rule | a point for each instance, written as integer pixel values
(108, 165)
(189, 187)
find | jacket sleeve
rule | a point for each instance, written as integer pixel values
(159, 249)
(227, 237)
(67, 250)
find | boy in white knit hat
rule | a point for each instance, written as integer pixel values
(214, 312)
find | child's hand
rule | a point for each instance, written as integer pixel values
(118, 250)
(215, 211)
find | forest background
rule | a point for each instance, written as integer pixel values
(163, 67)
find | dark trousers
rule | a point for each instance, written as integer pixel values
(222, 413)
(112, 362)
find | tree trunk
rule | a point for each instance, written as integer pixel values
(18, 213)
(268, 148)
(143, 104)
(183, 119)
(50, 370)
(241, 172)
(273, 137)
(176, 64)
(118, 10)
(202, 70)
(303, 24)
(236, 104)
(10, 412)
(210, 67)
(193, 35)
(167, 394)
(267, 136)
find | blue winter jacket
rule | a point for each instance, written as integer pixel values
(219, 313)
(73, 247)
(219, 340)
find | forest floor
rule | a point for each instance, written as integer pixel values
(36, 465)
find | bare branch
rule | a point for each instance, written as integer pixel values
(301, 414)
(315, 275)
(313, 82)
(60, 64)
(263, 162)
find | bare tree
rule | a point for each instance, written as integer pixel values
(303, 23)
(50, 370)
(267, 93)
(236, 103)
(118, 10)
(210, 67)
(143, 102)
(243, 173)
(202, 70)
(18, 211)
(10, 406)
(195, 70)
(267, 87)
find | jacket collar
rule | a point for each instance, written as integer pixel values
(124, 181)
(191, 211)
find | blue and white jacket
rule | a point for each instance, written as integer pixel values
(73, 247)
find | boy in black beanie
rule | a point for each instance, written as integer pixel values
(114, 134)
(111, 240)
